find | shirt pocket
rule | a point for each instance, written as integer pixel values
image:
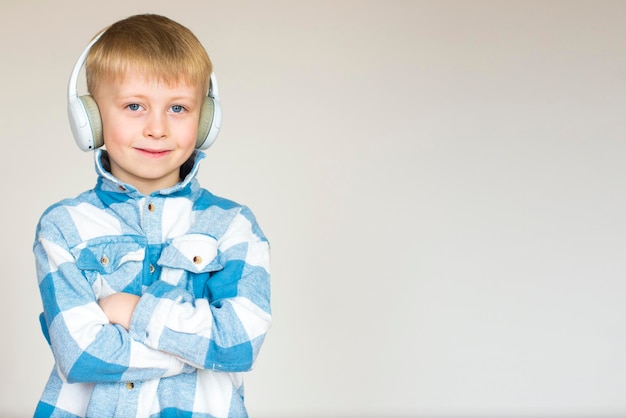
(112, 264)
(187, 261)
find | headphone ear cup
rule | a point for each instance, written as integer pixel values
(95, 122)
(206, 120)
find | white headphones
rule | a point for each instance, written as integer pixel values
(87, 126)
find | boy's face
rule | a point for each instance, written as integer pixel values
(149, 128)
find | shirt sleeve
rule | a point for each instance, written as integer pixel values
(86, 347)
(225, 329)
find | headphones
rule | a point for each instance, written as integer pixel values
(87, 126)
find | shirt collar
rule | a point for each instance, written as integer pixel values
(108, 182)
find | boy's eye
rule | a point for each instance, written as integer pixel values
(133, 106)
(178, 109)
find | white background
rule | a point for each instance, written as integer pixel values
(442, 182)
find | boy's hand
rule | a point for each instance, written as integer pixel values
(119, 307)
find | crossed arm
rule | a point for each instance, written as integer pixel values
(167, 330)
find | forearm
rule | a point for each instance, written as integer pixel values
(90, 350)
(225, 336)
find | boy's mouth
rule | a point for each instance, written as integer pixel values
(153, 153)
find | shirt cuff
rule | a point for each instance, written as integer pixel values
(151, 313)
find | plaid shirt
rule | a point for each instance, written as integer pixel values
(201, 266)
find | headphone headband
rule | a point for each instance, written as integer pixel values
(86, 124)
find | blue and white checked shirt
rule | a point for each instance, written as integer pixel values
(201, 266)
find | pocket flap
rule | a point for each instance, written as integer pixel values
(107, 255)
(196, 253)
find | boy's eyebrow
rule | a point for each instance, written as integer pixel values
(131, 95)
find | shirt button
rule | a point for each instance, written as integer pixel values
(104, 260)
(122, 188)
(197, 259)
(130, 385)
(151, 269)
(151, 207)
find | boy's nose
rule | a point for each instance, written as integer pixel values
(156, 127)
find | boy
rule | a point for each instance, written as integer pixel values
(155, 292)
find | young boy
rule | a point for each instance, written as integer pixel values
(155, 292)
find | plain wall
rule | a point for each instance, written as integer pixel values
(442, 182)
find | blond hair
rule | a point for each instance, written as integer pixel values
(152, 44)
